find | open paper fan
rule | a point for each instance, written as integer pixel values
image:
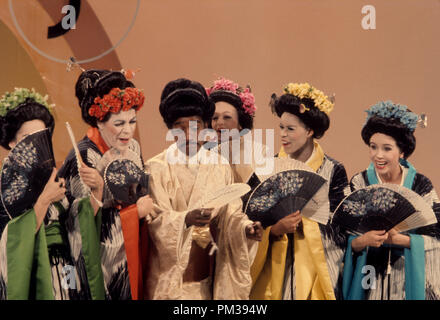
(26, 171)
(222, 196)
(383, 207)
(126, 181)
(216, 200)
(288, 191)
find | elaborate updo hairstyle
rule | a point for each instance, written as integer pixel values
(241, 99)
(299, 100)
(93, 84)
(394, 120)
(28, 106)
(185, 98)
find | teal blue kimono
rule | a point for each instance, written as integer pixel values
(391, 272)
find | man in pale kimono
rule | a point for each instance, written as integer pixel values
(184, 235)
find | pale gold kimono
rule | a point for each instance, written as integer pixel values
(176, 189)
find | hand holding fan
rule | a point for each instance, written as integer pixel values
(26, 171)
(79, 163)
(383, 207)
(126, 181)
(216, 200)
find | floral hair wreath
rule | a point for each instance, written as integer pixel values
(246, 96)
(306, 91)
(117, 100)
(388, 109)
(11, 100)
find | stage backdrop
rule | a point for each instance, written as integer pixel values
(261, 43)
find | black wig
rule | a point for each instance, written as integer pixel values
(245, 120)
(185, 98)
(14, 119)
(97, 83)
(314, 118)
(405, 139)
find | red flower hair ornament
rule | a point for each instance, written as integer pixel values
(117, 100)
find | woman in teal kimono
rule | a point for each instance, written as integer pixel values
(406, 264)
(48, 247)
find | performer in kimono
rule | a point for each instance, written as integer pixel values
(299, 259)
(109, 104)
(47, 251)
(406, 265)
(181, 260)
(233, 121)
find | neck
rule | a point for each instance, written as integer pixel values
(303, 153)
(394, 176)
(104, 138)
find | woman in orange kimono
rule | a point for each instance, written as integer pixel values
(109, 104)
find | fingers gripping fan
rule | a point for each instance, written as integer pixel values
(126, 181)
(26, 171)
(382, 207)
(286, 192)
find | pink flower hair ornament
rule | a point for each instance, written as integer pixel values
(246, 96)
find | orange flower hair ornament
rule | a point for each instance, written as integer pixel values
(117, 100)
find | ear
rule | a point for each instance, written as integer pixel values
(12, 144)
(100, 125)
(310, 133)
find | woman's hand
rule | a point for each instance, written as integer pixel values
(53, 191)
(398, 239)
(198, 217)
(144, 206)
(254, 231)
(288, 224)
(373, 238)
(91, 177)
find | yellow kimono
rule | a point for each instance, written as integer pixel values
(314, 267)
(176, 189)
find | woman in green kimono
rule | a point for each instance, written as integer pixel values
(48, 249)
(406, 264)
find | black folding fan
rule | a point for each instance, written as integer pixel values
(286, 192)
(383, 207)
(126, 181)
(26, 171)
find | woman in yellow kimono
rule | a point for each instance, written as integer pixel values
(299, 259)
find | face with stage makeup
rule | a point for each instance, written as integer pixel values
(294, 134)
(225, 117)
(118, 130)
(385, 154)
(191, 127)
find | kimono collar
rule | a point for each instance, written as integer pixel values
(316, 159)
(94, 135)
(409, 180)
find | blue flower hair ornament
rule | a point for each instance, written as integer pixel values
(388, 109)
